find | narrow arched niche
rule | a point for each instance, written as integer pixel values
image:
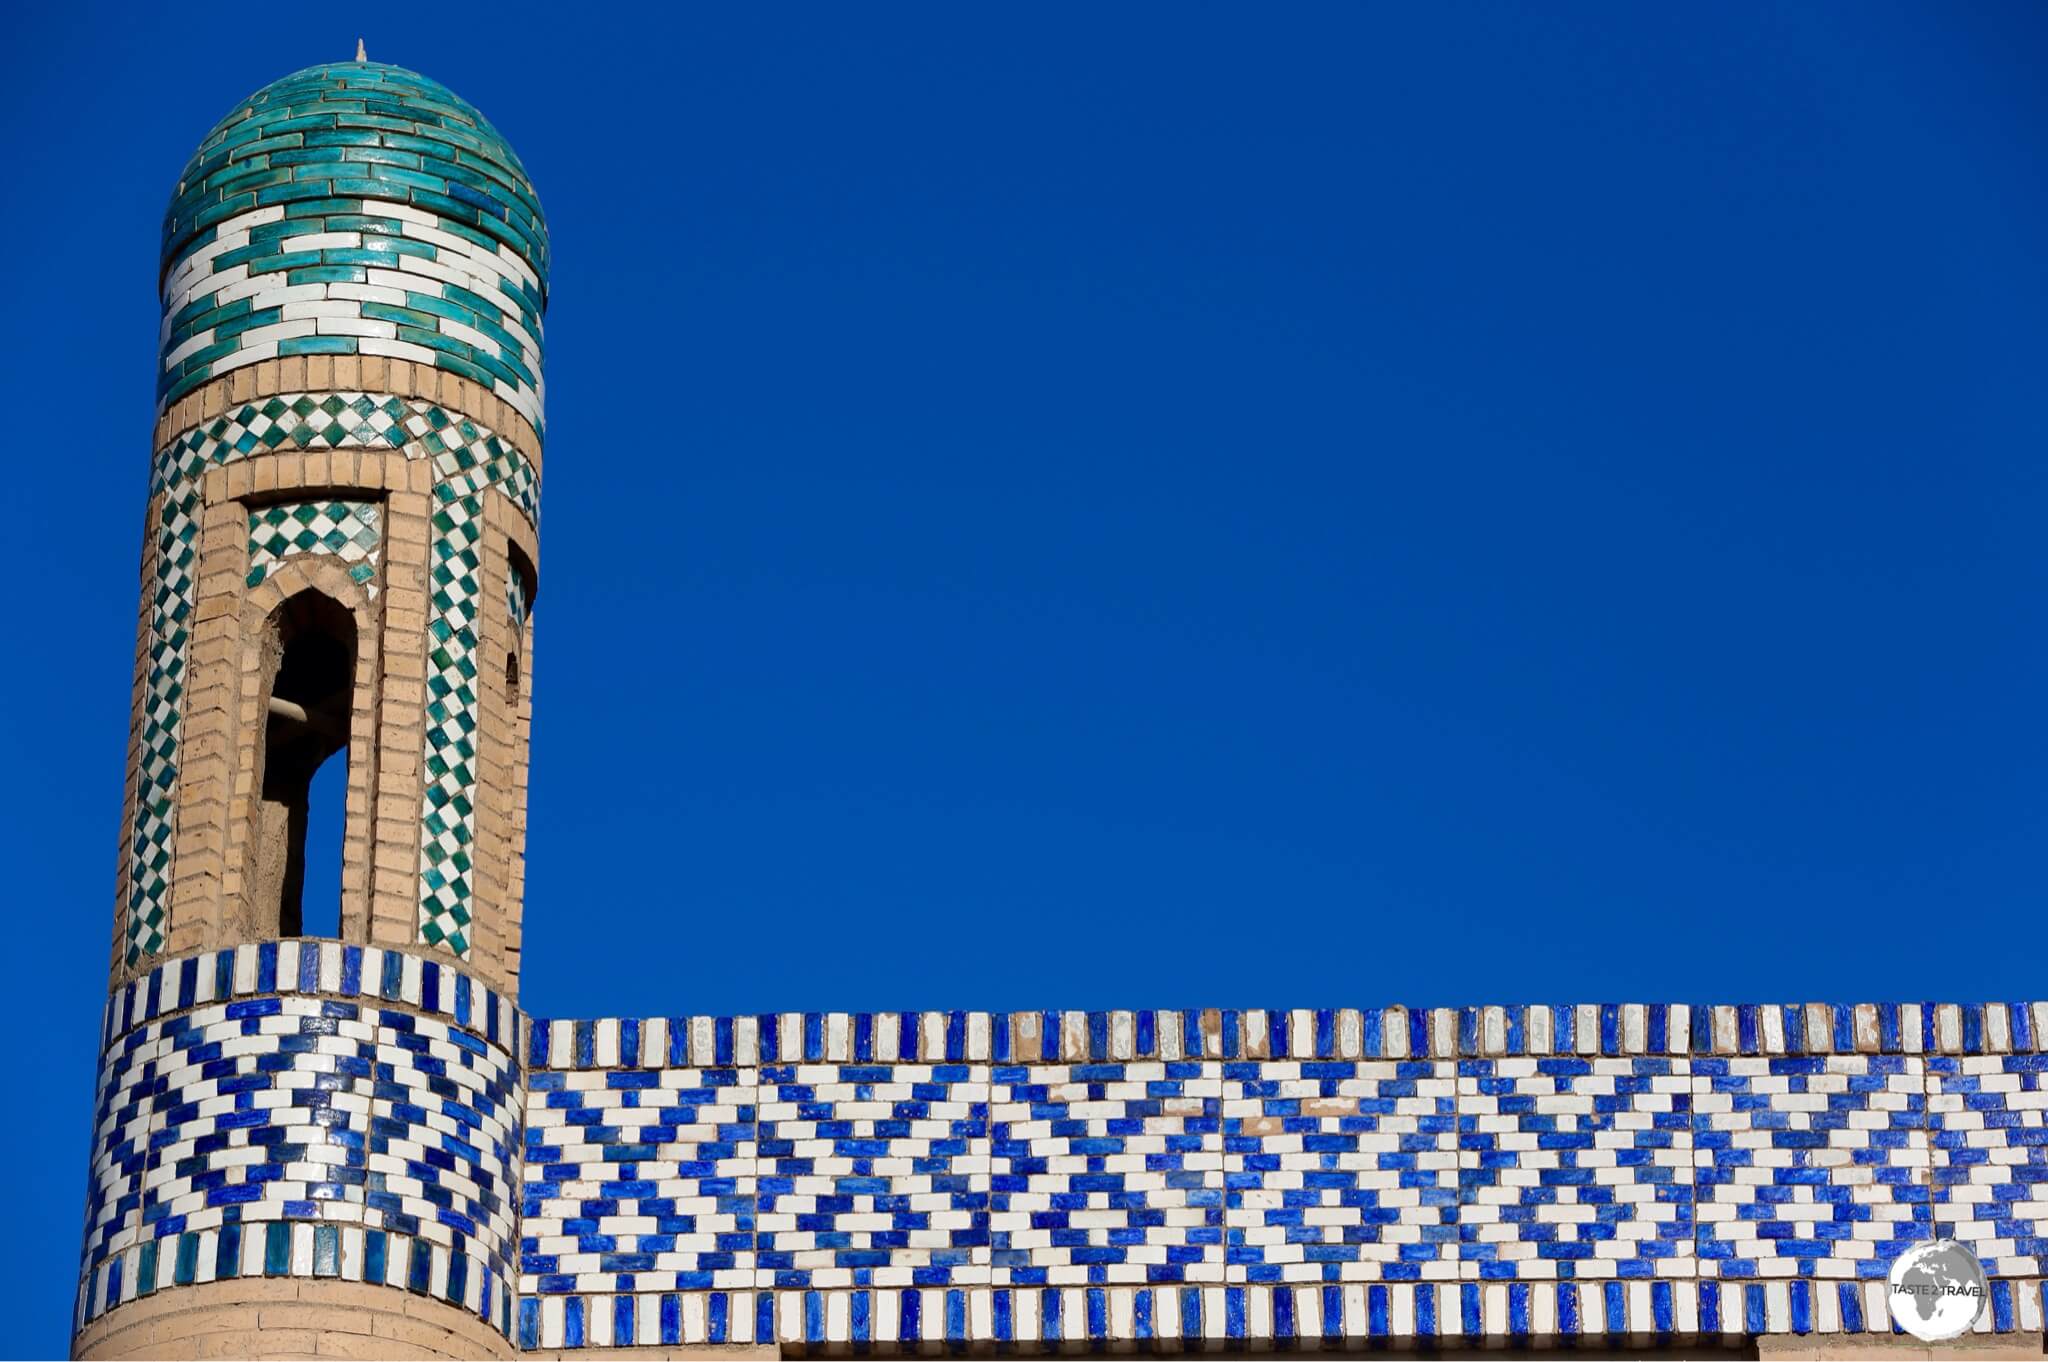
(309, 657)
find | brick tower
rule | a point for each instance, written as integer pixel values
(317, 1135)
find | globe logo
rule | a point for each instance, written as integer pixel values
(1937, 1291)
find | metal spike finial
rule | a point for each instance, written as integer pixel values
(361, 55)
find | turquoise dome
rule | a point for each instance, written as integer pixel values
(355, 208)
(359, 131)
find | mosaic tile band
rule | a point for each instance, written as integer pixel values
(828, 1202)
(655, 1146)
(293, 1109)
(355, 209)
(349, 530)
(467, 459)
(1395, 1032)
(949, 1320)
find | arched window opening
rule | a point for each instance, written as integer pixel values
(311, 699)
(512, 678)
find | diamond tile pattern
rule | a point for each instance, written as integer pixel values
(350, 530)
(1810, 1166)
(229, 1131)
(1575, 1166)
(872, 1174)
(1106, 1172)
(639, 1181)
(1341, 1171)
(829, 1181)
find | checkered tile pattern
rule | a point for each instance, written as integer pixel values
(350, 530)
(468, 460)
(313, 421)
(170, 614)
(872, 1174)
(448, 816)
(1575, 1167)
(1810, 1166)
(639, 1179)
(238, 1113)
(1106, 1173)
(1990, 1156)
(1341, 1171)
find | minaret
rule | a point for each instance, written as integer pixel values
(339, 566)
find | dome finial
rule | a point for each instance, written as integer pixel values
(361, 55)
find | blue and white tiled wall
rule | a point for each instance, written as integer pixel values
(304, 1109)
(1616, 1172)
(827, 1181)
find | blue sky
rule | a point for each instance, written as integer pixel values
(1161, 505)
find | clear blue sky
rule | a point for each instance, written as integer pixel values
(1125, 506)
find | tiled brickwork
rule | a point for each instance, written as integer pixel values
(350, 530)
(639, 1179)
(1637, 1171)
(824, 1181)
(1616, 1315)
(1106, 1172)
(1572, 1166)
(871, 1173)
(468, 462)
(1811, 1166)
(1989, 1145)
(355, 209)
(305, 1110)
(1341, 1170)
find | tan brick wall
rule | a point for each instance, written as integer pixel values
(502, 727)
(223, 719)
(393, 848)
(133, 775)
(280, 1317)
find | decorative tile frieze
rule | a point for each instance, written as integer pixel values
(349, 530)
(1988, 1137)
(1341, 1170)
(639, 1180)
(309, 1110)
(1350, 1316)
(872, 1174)
(827, 1204)
(1809, 1167)
(1608, 1030)
(1575, 1167)
(1106, 1173)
